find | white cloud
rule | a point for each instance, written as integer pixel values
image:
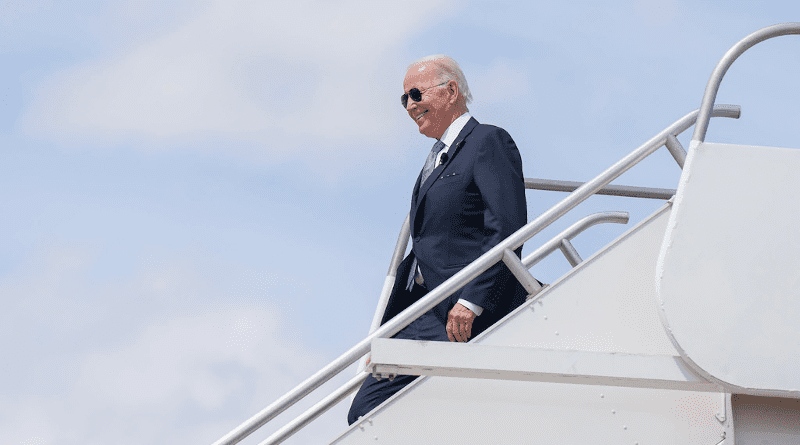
(195, 359)
(28, 424)
(164, 354)
(250, 79)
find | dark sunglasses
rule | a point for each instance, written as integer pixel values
(416, 95)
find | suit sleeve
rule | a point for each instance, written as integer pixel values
(498, 175)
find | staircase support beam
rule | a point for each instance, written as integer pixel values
(392, 357)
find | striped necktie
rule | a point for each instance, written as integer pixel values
(430, 164)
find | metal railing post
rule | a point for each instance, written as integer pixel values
(676, 150)
(524, 277)
(569, 251)
(388, 282)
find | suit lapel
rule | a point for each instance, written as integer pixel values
(421, 189)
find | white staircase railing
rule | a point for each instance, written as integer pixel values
(710, 94)
(498, 253)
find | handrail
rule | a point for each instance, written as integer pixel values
(397, 256)
(325, 404)
(317, 410)
(712, 87)
(530, 183)
(388, 282)
(520, 270)
(571, 232)
(466, 275)
(555, 185)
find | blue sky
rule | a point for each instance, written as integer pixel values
(200, 199)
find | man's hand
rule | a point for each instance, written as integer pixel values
(459, 323)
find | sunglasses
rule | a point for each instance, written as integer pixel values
(416, 95)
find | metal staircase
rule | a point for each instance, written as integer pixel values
(586, 359)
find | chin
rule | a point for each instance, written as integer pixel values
(426, 131)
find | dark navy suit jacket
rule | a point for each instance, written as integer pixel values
(469, 203)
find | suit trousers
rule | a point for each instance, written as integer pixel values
(373, 392)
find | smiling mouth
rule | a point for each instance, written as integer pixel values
(420, 115)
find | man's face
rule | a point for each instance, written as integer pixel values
(433, 112)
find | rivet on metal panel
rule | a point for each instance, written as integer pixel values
(613, 411)
(545, 317)
(370, 421)
(602, 396)
(556, 332)
(376, 437)
(624, 427)
(361, 427)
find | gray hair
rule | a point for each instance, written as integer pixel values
(447, 69)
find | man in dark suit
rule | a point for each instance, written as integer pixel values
(469, 196)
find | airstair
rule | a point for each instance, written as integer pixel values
(681, 331)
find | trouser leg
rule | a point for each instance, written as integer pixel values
(374, 392)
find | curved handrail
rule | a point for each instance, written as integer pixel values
(571, 232)
(710, 94)
(467, 274)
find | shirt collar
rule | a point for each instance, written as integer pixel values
(449, 136)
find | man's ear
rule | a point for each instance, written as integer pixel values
(452, 90)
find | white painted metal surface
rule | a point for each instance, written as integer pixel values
(471, 360)
(729, 268)
(607, 304)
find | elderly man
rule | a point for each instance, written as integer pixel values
(469, 196)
